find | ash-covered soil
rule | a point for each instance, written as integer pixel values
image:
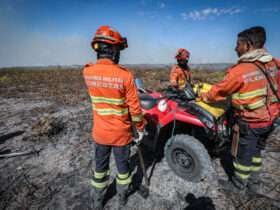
(48, 114)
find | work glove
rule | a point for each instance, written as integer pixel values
(203, 97)
(139, 137)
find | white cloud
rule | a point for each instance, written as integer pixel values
(209, 12)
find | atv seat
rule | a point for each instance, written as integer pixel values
(147, 102)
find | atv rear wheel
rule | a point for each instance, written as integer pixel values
(187, 157)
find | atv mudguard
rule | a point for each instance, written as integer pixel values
(203, 115)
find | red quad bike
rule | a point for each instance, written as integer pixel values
(193, 133)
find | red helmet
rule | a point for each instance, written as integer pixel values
(108, 35)
(182, 54)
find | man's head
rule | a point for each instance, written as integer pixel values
(108, 43)
(182, 57)
(250, 39)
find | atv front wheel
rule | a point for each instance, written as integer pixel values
(187, 157)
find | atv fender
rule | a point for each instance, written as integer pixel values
(181, 116)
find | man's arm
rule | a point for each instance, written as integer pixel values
(229, 85)
(173, 77)
(277, 62)
(133, 103)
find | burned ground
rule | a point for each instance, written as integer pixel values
(48, 113)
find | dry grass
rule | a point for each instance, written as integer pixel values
(54, 83)
(158, 79)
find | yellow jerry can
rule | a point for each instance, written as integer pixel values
(216, 109)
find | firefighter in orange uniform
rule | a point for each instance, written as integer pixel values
(277, 121)
(278, 77)
(254, 106)
(180, 73)
(116, 107)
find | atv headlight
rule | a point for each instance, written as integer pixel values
(162, 105)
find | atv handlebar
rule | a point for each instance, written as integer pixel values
(182, 95)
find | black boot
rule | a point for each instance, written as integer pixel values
(234, 185)
(123, 191)
(98, 197)
(122, 199)
(254, 182)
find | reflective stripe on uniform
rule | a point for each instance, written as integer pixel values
(242, 176)
(251, 106)
(111, 111)
(101, 175)
(242, 167)
(256, 159)
(242, 171)
(124, 179)
(123, 176)
(100, 179)
(137, 118)
(114, 101)
(255, 168)
(249, 95)
(99, 185)
(256, 105)
(256, 164)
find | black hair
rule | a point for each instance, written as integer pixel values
(256, 36)
(108, 51)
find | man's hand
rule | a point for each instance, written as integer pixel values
(203, 97)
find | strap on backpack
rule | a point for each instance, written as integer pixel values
(263, 70)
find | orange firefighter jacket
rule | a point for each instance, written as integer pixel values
(115, 102)
(179, 76)
(251, 95)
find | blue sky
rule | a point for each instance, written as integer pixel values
(34, 32)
